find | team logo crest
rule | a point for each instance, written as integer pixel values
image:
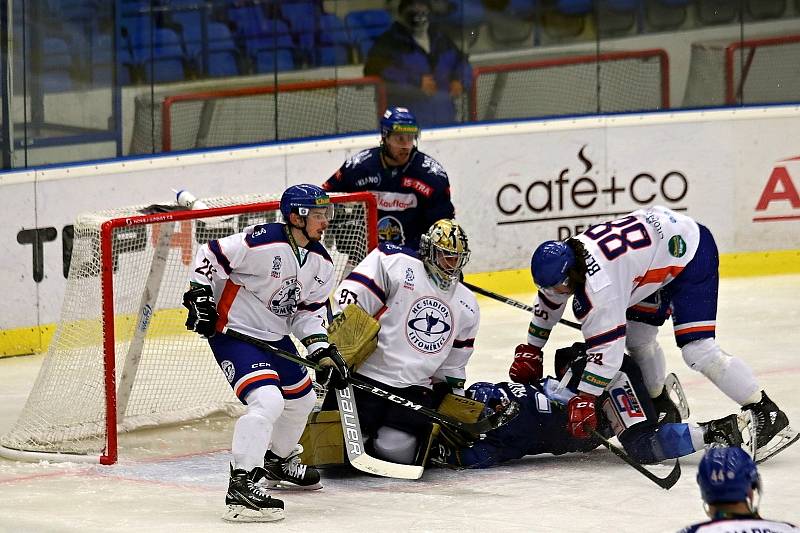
(677, 246)
(429, 325)
(284, 301)
(228, 369)
(390, 230)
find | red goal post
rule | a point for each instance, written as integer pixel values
(772, 72)
(272, 112)
(121, 358)
(633, 80)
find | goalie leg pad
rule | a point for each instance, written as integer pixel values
(461, 408)
(322, 440)
(395, 445)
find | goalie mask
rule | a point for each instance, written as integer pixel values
(445, 251)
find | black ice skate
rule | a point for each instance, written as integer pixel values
(772, 428)
(247, 501)
(666, 409)
(290, 472)
(722, 432)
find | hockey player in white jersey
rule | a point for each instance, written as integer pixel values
(428, 322)
(267, 282)
(627, 276)
(731, 489)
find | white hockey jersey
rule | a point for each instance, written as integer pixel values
(266, 286)
(628, 259)
(427, 335)
(740, 525)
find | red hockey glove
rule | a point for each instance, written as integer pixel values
(527, 365)
(581, 415)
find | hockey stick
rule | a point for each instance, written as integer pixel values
(354, 443)
(513, 302)
(473, 430)
(664, 482)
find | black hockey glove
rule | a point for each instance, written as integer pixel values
(199, 300)
(334, 368)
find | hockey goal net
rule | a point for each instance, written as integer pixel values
(751, 71)
(248, 115)
(636, 80)
(121, 358)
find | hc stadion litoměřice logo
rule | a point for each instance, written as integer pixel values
(429, 324)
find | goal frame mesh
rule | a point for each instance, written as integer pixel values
(502, 71)
(115, 394)
(284, 89)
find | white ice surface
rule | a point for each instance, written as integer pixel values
(175, 480)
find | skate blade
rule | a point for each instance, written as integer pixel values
(782, 440)
(240, 513)
(288, 485)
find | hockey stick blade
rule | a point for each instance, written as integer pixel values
(664, 482)
(512, 302)
(354, 443)
(474, 429)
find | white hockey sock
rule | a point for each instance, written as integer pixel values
(730, 374)
(253, 430)
(697, 436)
(291, 423)
(640, 342)
(395, 445)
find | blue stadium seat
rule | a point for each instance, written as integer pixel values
(302, 16)
(56, 65)
(223, 55)
(365, 26)
(333, 42)
(168, 57)
(464, 14)
(525, 9)
(574, 7)
(267, 60)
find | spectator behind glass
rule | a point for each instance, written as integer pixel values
(422, 67)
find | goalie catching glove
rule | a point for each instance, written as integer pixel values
(199, 300)
(334, 368)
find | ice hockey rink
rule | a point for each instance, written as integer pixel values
(175, 479)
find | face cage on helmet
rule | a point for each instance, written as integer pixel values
(445, 274)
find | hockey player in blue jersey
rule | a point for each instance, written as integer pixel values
(731, 489)
(541, 425)
(412, 188)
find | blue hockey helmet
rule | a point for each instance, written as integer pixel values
(300, 198)
(488, 394)
(399, 120)
(726, 475)
(550, 263)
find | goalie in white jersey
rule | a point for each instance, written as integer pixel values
(268, 281)
(627, 276)
(428, 322)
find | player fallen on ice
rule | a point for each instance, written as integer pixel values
(542, 425)
(268, 281)
(428, 321)
(626, 276)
